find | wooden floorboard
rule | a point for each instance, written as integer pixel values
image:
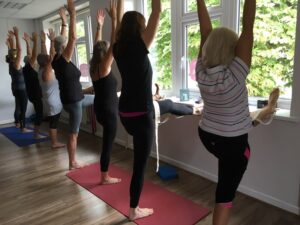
(34, 189)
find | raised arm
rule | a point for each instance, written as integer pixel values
(105, 65)
(62, 14)
(43, 43)
(51, 36)
(245, 43)
(150, 31)
(18, 47)
(100, 22)
(26, 38)
(68, 52)
(10, 38)
(120, 12)
(204, 22)
(33, 58)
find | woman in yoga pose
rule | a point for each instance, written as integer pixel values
(18, 84)
(223, 65)
(50, 89)
(134, 38)
(68, 76)
(33, 88)
(105, 86)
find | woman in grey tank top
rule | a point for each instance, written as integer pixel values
(50, 89)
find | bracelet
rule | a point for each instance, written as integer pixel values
(64, 25)
(99, 27)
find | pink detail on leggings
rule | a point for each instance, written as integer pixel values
(132, 114)
(247, 153)
(226, 205)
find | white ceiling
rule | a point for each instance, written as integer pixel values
(31, 9)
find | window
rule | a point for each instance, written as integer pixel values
(274, 46)
(176, 47)
(160, 52)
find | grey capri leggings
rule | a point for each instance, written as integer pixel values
(75, 112)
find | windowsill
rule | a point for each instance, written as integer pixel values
(281, 114)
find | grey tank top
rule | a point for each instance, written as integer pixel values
(51, 96)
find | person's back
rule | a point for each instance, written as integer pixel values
(33, 87)
(51, 94)
(225, 97)
(136, 73)
(68, 77)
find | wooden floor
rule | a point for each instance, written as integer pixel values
(35, 191)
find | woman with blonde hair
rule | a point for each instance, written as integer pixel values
(223, 65)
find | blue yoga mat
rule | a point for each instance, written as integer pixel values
(21, 139)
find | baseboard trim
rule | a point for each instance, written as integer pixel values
(243, 189)
(2, 122)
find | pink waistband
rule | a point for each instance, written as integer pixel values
(226, 205)
(132, 114)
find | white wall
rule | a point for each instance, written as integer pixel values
(6, 98)
(273, 174)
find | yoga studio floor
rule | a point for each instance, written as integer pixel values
(35, 190)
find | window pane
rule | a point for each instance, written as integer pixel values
(80, 31)
(192, 50)
(160, 52)
(82, 62)
(273, 50)
(191, 5)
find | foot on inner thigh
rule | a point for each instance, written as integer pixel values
(137, 213)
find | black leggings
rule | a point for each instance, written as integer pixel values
(233, 154)
(21, 101)
(38, 107)
(142, 130)
(109, 122)
(168, 106)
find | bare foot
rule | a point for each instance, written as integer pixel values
(137, 213)
(38, 136)
(75, 165)
(274, 95)
(18, 125)
(58, 145)
(110, 180)
(197, 110)
(25, 130)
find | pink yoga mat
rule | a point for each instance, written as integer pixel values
(169, 208)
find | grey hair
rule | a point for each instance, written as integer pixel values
(219, 48)
(59, 43)
(42, 59)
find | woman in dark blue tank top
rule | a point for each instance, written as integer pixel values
(33, 88)
(18, 84)
(136, 105)
(105, 88)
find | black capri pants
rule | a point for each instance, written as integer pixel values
(38, 107)
(142, 130)
(53, 121)
(233, 154)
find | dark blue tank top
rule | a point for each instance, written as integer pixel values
(17, 78)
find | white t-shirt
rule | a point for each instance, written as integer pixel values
(223, 90)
